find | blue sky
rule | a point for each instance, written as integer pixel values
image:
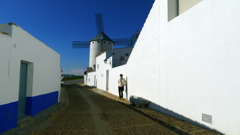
(59, 22)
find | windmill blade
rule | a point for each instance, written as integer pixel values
(134, 37)
(99, 23)
(80, 44)
(121, 41)
(129, 45)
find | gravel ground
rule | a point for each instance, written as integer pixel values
(85, 110)
(90, 113)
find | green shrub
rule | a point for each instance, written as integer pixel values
(72, 78)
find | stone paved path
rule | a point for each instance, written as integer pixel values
(86, 110)
(90, 113)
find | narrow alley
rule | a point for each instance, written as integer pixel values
(84, 110)
(90, 113)
(87, 112)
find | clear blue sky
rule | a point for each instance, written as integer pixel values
(59, 22)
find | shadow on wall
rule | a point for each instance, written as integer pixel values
(126, 87)
(178, 116)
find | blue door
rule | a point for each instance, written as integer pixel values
(22, 91)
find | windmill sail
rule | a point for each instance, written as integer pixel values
(99, 23)
(126, 42)
(80, 44)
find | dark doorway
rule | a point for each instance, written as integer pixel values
(22, 91)
(107, 79)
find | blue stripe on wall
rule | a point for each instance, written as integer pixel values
(36, 104)
(8, 116)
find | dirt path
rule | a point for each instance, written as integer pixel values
(100, 122)
(85, 110)
(90, 113)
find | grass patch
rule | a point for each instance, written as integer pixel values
(72, 78)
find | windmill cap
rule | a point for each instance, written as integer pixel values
(101, 36)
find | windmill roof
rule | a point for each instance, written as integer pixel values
(101, 36)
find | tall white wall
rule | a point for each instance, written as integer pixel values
(143, 65)
(7, 89)
(191, 65)
(188, 66)
(44, 65)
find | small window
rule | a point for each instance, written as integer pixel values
(177, 7)
(172, 9)
(185, 5)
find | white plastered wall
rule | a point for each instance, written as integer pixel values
(6, 76)
(44, 64)
(90, 78)
(143, 65)
(101, 68)
(98, 77)
(189, 65)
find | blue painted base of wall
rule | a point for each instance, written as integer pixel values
(37, 104)
(34, 105)
(8, 116)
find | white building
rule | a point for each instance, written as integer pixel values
(98, 44)
(186, 62)
(29, 76)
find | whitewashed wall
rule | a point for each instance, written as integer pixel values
(143, 65)
(21, 46)
(98, 78)
(43, 75)
(8, 95)
(190, 65)
(90, 78)
(101, 68)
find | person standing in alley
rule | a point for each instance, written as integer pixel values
(121, 84)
